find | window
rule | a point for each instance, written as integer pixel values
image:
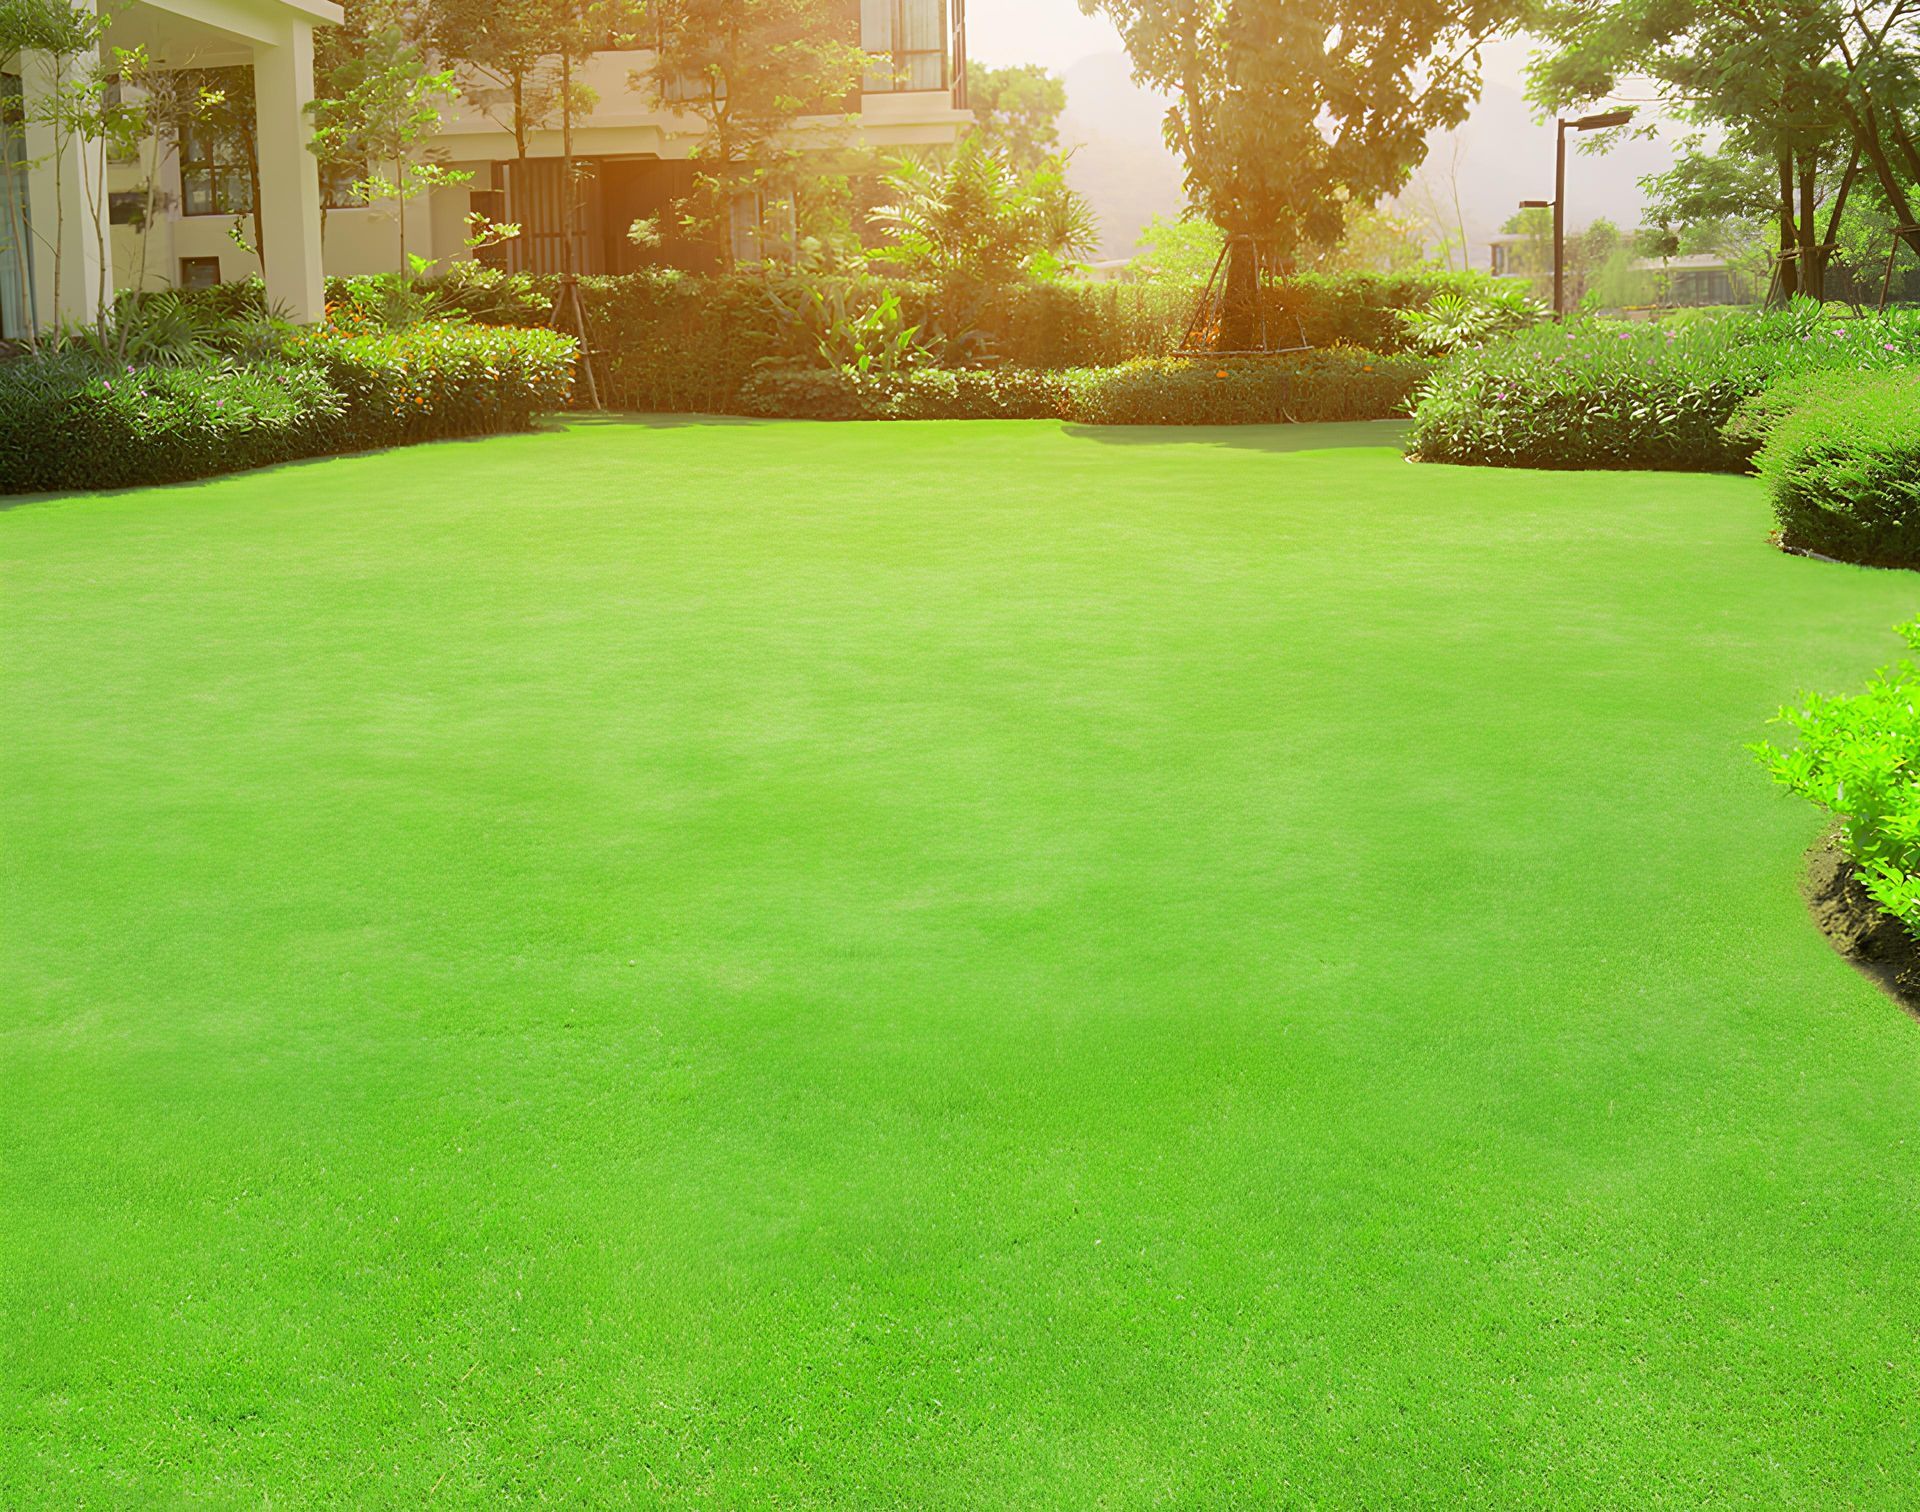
(215, 176)
(908, 40)
(199, 272)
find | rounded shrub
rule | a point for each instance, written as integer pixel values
(1842, 468)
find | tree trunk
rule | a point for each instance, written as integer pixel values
(1240, 297)
(1866, 134)
(1809, 259)
(1789, 233)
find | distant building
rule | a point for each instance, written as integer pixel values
(1696, 278)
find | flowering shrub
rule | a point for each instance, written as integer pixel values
(427, 381)
(1856, 757)
(1609, 394)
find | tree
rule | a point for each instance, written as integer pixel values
(509, 49)
(1018, 110)
(1183, 251)
(78, 105)
(1288, 111)
(1814, 94)
(747, 70)
(380, 109)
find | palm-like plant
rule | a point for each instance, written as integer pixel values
(974, 219)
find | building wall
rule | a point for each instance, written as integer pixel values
(626, 123)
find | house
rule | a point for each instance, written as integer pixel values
(634, 153)
(1690, 279)
(271, 38)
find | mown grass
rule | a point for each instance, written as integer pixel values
(934, 965)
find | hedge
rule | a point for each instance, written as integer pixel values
(674, 341)
(1334, 385)
(67, 423)
(1841, 466)
(1604, 394)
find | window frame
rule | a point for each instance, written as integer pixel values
(897, 78)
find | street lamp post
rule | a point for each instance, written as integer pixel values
(1601, 122)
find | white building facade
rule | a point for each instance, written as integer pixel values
(215, 202)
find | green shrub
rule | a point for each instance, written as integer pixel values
(1855, 757)
(801, 393)
(423, 382)
(1841, 466)
(1338, 385)
(66, 424)
(1341, 384)
(676, 341)
(1611, 394)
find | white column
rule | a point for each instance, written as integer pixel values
(289, 175)
(64, 192)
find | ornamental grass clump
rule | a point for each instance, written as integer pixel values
(1858, 757)
(1612, 394)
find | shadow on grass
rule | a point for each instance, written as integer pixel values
(1309, 436)
(1344, 435)
(545, 425)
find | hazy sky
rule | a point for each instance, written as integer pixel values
(1054, 33)
(1051, 32)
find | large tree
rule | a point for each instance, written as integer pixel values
(748, 70)
(1287, 112)
(1813, 97)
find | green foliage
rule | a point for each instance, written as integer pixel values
(1018, 110)
(975, 220)
(1182, 250)
(1342, 385)
(1855, 756)
(248, 394)
(1841, 464)
(1337, 384)
(869, 341)
(1455, 318)
(1287, 112)
(429, 381)
(1613, 394)
(66, 424)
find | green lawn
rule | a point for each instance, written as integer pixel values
(935, 965)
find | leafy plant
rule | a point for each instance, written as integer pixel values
(1841, 464)
(1858, 757)
(871, 341)
(1601, 393)
(1452, 320)
(974, 220)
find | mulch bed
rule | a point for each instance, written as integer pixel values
(1856, 926)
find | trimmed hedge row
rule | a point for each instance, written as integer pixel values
(65, 423)
(1308, 386)
(674, 341)
(1608, 395)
